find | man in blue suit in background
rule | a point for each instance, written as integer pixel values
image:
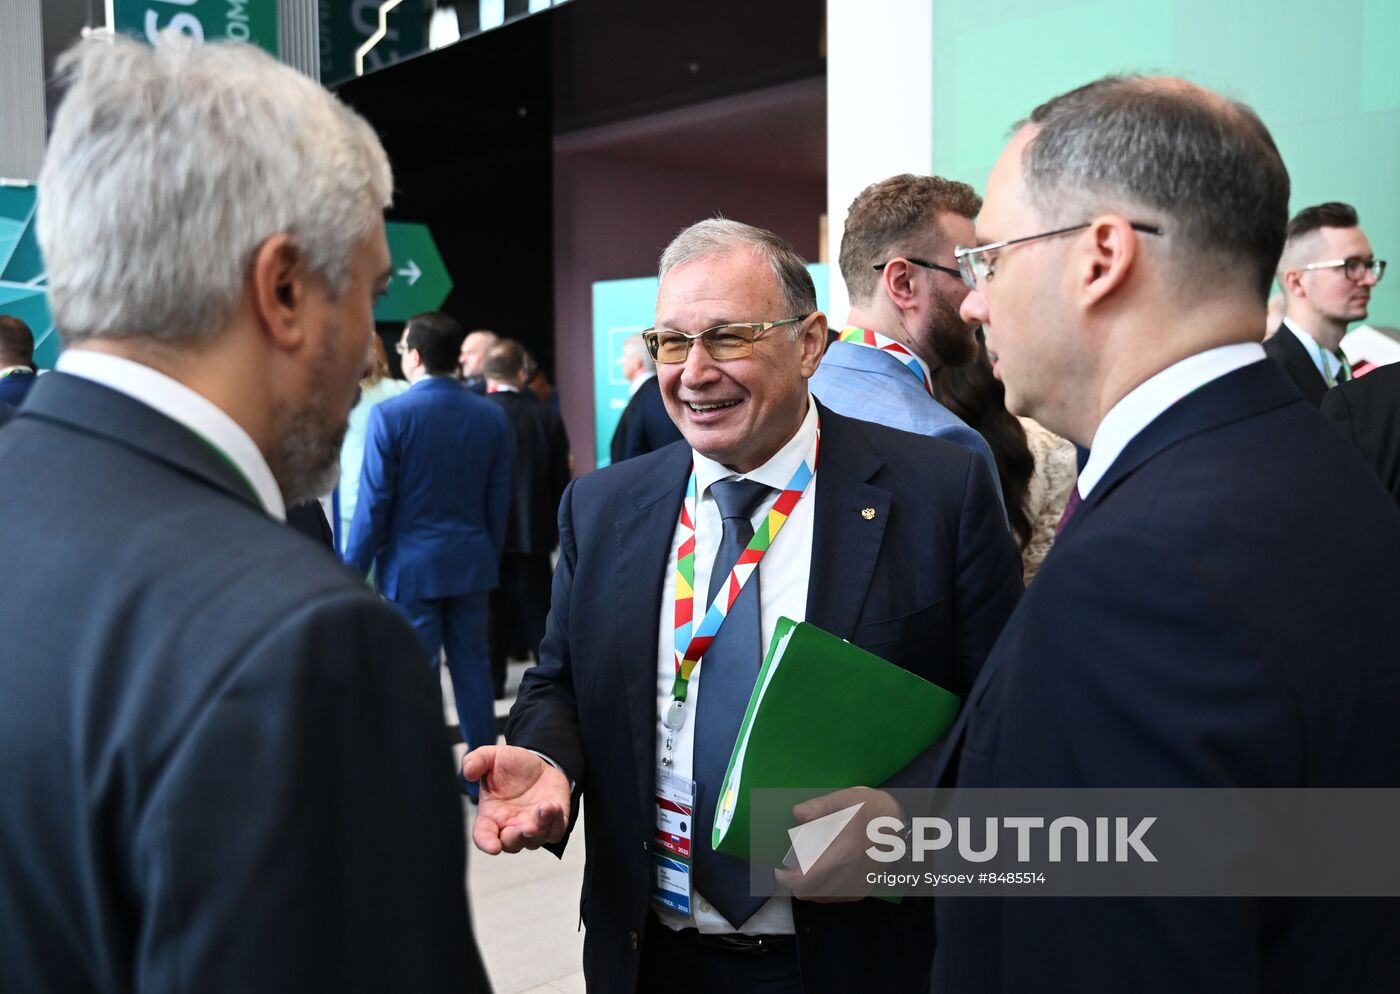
(1201, 622)
(431, 518)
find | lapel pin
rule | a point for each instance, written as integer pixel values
(868, 514)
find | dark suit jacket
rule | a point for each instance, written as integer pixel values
(434, 493)
(1200, 622)
(1284, 348)
(1368, 411)
(926, 583)
(222, 763)
(539, 471)
(644, 426)
(15, 387)
(309, 519)
(6, 413)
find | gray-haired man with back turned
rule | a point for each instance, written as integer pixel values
(224, 769)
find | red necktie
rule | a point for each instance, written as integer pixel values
(1071, 506)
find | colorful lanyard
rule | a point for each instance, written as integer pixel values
(691, 644)
(16, 371)
(875, 340)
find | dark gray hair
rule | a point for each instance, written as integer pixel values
(719, 236)
(1203, 165)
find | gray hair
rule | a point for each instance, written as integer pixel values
(636, 346)
(719, 236)
(170, 164)
(1206, 164)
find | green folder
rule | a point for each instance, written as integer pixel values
(825, 715)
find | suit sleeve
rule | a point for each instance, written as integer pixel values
(307, 834)
(988, 580)
(379, 476)
(545, 715)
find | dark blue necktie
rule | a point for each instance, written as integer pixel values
(728, 672)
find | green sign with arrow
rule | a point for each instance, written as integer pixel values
(420, 282)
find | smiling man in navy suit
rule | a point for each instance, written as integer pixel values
(1201, 621)
(897, 543)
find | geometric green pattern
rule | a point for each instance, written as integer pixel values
(23, 285)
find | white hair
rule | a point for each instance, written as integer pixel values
(719, 236)
(170, 164)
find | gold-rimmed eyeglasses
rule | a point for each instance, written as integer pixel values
(723, 342)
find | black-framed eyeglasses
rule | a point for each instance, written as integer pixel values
(879, 267)
(1353, 267)
(976, 269)
(723, 342)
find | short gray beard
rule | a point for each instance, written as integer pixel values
(306, 462)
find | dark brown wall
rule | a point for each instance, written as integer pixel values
(612, 218)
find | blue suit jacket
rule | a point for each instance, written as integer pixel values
(434, 493)
(926, 583)
(15, 387)
(866, 383)
(1218, 612)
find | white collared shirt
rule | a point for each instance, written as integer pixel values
(21, 370)
(1149, 399)
(181, 404)
(783, 574)
(1327, 364)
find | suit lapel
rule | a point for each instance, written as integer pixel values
(1247, 391)
(643, 547)
(848, 526)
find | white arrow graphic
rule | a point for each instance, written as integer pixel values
(811, 839)
(411, 271)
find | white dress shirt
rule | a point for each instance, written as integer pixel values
(1151, 398)
(181, 404)
(783, 574)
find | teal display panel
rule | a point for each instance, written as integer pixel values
(1322, 75)
(622, 308)
(23, 285)
(253, 21)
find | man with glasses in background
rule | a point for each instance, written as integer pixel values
(1326, 273)
(888, 539)
(897, 261)
(1179, 634)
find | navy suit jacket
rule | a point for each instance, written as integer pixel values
(15, 387)
(1218, 612)
(6, 413)
(1368, 411)
(434, 493)
(926, 583)
(222, 763)
(644, 426)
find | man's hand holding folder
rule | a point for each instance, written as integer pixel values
(842, 867)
